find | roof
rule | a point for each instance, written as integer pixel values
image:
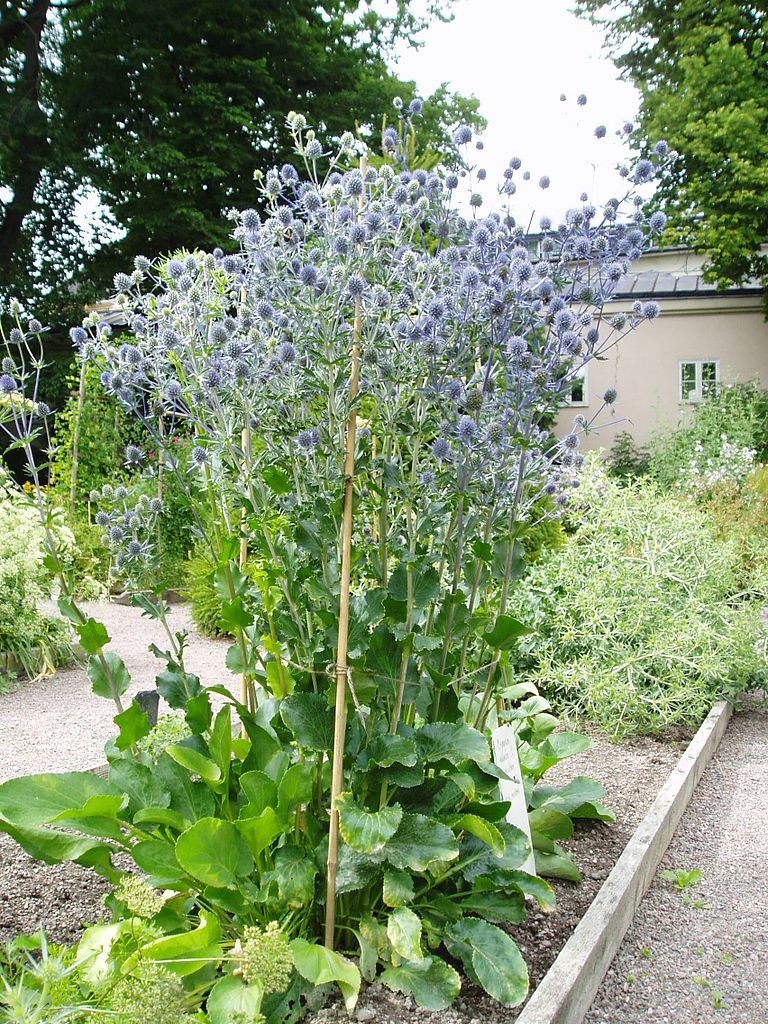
(662, 284)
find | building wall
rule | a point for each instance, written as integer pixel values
(645, 366)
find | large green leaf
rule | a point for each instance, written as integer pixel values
(550, 822)
(355, 869)
(133, 724)
(425, 585)
(580, 798)
(260, 790)
(451, 741)
(214, 852)
(529, 884)
(419, 842)
(157, 858)
(220, 743)
(321, 966)
(110, 681)
(310, 720)
(195, 762)
(295, 877)
(556, 864)
(482, 859)
(177, 687)
(495, 904)
(506, 630)
(367, 831)
(185, 952)
(53, 847)
(481, 828)
(231, 998)
(295, 788)
(36, 799)
(388, 748)
(143, 786)
(397, 887)
(92, 635)
(259, 831)
(491, 956)
(191, 798)
(432, 983)
(404, 934)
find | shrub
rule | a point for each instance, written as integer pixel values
(634, 625)
(627, 460)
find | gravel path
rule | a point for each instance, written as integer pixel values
(57, 724)
(700, 955)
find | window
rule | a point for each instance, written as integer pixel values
(577, 389)
(698, 379)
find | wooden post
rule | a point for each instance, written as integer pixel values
(340, 718)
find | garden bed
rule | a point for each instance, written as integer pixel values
(64, 897)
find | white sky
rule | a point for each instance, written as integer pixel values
(517, 57)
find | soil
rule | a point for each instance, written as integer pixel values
(56, 724)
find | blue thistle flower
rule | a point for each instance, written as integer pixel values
(610, 395)
(265, 310)
(544, 181)
(571, 441)
(175, 268)
(661, 148)
(102, 519)
(452, 181)
(581, 100)
(199, 455)
(353, 183)
(134, 456)
(415, 107)
(289, 173)
(462, 135)
(657, 221)
(481, 236)
(650, 310)
(356, 286)
(7, 384)
(286, 352)
(250, 220)
(643, 171)
(78, 335)
(467, 429)
(358, 234)
(600, 131)
(34, 326)
(43, 410)
(122, 282)
(306, 440)
(441, 449)
(313, 149)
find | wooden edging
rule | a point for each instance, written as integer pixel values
(567, 990)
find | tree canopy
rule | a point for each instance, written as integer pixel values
(702, 72)
(158, 115)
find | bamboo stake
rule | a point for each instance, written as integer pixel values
(245, 688)
(340, 718)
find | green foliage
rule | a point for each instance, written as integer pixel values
(737, 411)
(681, 878)
(201, 593)
(627, 460)
(702, 73)
(636, 629)
(30, 642)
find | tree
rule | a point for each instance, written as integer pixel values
(162, 113)
(702, 72)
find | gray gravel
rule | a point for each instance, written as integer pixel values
(57, 724)
(700, 955)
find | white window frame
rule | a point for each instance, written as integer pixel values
(697, 394)
(581, 375)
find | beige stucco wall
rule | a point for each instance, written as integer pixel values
(644, 366)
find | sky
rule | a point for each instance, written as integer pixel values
(517, 57)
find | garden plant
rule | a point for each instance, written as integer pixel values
(362, 384)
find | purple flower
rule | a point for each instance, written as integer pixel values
(600, 131)
(544, 181)
(610, 395)
(7, 384)
(199, 455)
(650, 310)
(581, 100)
(78, 336)
(441, 449)
(467, 429)
(462, 135)
(657, 221)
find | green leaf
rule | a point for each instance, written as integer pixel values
(133, 723)
(260, 830)
(230, 996)
(279, 679)
(506, 630)
(92, 634)
(161, 816)
(550, 822)
(177, 687)
(580, 798)
(194, 761)
(425, 582)
(368, 939)
(151, 610)
(564, 744)
(295, 788)
(53, 847)
(220, 743)
(492, 957)
(191, 798)
(404, 934)
(214, 852)
(321, 966)
(494, 903)
(260, 790)
(110, 681)
(310, 720)
(419, 842)
(277, 480)
(185, 952)
(67, 608)
(558, 864)
(482, 859)
(37, 799)
(451, 741)
(367, 831)
(432, 983)
(295, 877)
(142, 785)
(355, 870)
(199, 714)
(481, 828)
(387, 748)
(397, 888)
(157, 858)
(533, 886)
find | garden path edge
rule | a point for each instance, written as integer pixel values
(567, 990)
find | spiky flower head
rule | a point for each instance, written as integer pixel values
(150, 993)
(139, 897)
